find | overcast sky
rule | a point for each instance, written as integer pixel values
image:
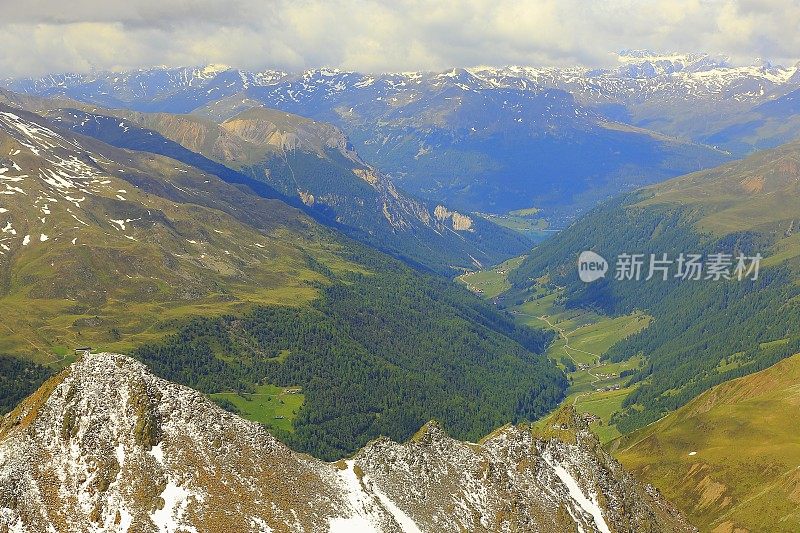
(41, 36)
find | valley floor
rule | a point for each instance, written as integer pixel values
(597, 389)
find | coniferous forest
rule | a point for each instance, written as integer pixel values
(18, 378)
(377, 354)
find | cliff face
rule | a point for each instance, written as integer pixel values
(105, 445)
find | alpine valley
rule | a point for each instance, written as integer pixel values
(702, 382)
(227, 291)
(348, 302)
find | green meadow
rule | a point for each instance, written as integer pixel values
(492, 282)
(275, 407)
(730, 458)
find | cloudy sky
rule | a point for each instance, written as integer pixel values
(41, 36)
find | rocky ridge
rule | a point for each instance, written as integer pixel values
(107, 446)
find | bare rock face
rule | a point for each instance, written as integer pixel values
(460, 222)
(107, 446)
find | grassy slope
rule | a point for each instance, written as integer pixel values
(756, 194)
(491, 282)
(745, 471)
(143, 309)
(526, 224)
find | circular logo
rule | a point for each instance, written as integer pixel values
(591, 266)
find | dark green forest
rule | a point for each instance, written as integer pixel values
(377, 354)
(18, 378)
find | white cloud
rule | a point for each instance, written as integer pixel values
(42, 36)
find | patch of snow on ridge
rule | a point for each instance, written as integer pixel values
(587, 504)
(158, 453)
(260, 525)
(354, 524)
(360, 505)
(405, 521)
(168, 518)
(120, 453)
(125, 521)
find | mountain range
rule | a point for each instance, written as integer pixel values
(553, 138)
(307, 164)
(644, 89)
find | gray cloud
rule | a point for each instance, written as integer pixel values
(41, 36)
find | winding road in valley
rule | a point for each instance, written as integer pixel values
(567, 349)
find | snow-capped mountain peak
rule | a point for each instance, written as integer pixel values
(639, 74)
(672, 62)
(213, 69)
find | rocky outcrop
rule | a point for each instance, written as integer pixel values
(458, 221)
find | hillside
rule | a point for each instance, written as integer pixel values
(729, 458)
(765, 125)
(375, 354)
(87, 226)
(704, 332)
(131, 251)
(307, 163)
(107, 444)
